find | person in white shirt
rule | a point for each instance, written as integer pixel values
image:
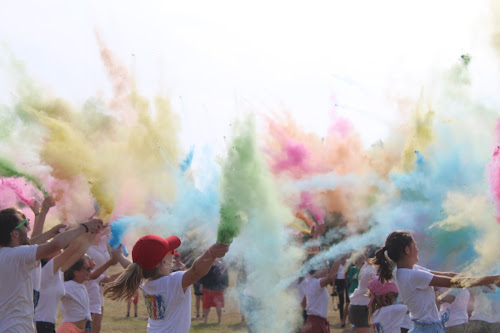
(317, 297)
(101, 261)
(385, 316)
(52, 286)
(416, 283)
(75, 306)
(16, 253)
(167, 295)
(485, 316)
(358, 306)
(454, 303)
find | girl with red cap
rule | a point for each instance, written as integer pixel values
(167, 295)
(385, 315)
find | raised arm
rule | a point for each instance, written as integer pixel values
(64, 239)
(41, 214)
(46, 236)
(202, 265)
(73, 252)
(118, 253)
(331, 274)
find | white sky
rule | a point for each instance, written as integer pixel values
(223, 56)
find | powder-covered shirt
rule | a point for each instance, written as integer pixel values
(486, 305)
(458, 308)
(415, 292)
(16, 288)
(168, 305)
(390, 318)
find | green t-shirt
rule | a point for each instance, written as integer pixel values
(352, 277)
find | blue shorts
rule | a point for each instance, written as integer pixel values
(427, 327)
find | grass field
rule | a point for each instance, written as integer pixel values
(114, 320)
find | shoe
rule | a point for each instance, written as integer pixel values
(128, 315)
(135, 315)
(342, 325)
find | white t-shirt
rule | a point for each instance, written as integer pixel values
(94, 292)
(169, 307)
(51, 291)
(390, 317)
(16, 288)
(341, 274)
(35, 279)
(316, 299)
(75, 302)
(458, 308)
(99, 253)
(486, 305)
(415, 292)
(302, 287)
(359, 296)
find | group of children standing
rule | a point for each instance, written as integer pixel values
(407, 301)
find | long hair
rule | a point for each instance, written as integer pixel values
(379, 302)
(126, 285)
(395, 245)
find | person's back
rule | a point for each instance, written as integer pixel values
(390, 318)
(16, 289)
(216, 278)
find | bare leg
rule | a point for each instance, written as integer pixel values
(198, 303)
(205, 315)
(219, 314)
(135, 309)
(346, 313)
(128, 309)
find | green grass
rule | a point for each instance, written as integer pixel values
(114, 320)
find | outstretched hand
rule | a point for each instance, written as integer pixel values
(48, 202)
(218, 250)
(57, 229)
(35, 206)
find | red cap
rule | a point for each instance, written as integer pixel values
(177, 254)
(149, 250)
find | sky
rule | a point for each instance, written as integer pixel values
(215, 59)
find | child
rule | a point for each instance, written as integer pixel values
(416, 283)
(167, 294)
(385, 315)
(317, 299)
(454, 302)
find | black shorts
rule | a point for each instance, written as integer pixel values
(358, 315)
(196, 287)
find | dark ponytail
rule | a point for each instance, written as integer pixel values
(395, 245)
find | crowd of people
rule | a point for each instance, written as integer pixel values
(69, 267)
(381, 289)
